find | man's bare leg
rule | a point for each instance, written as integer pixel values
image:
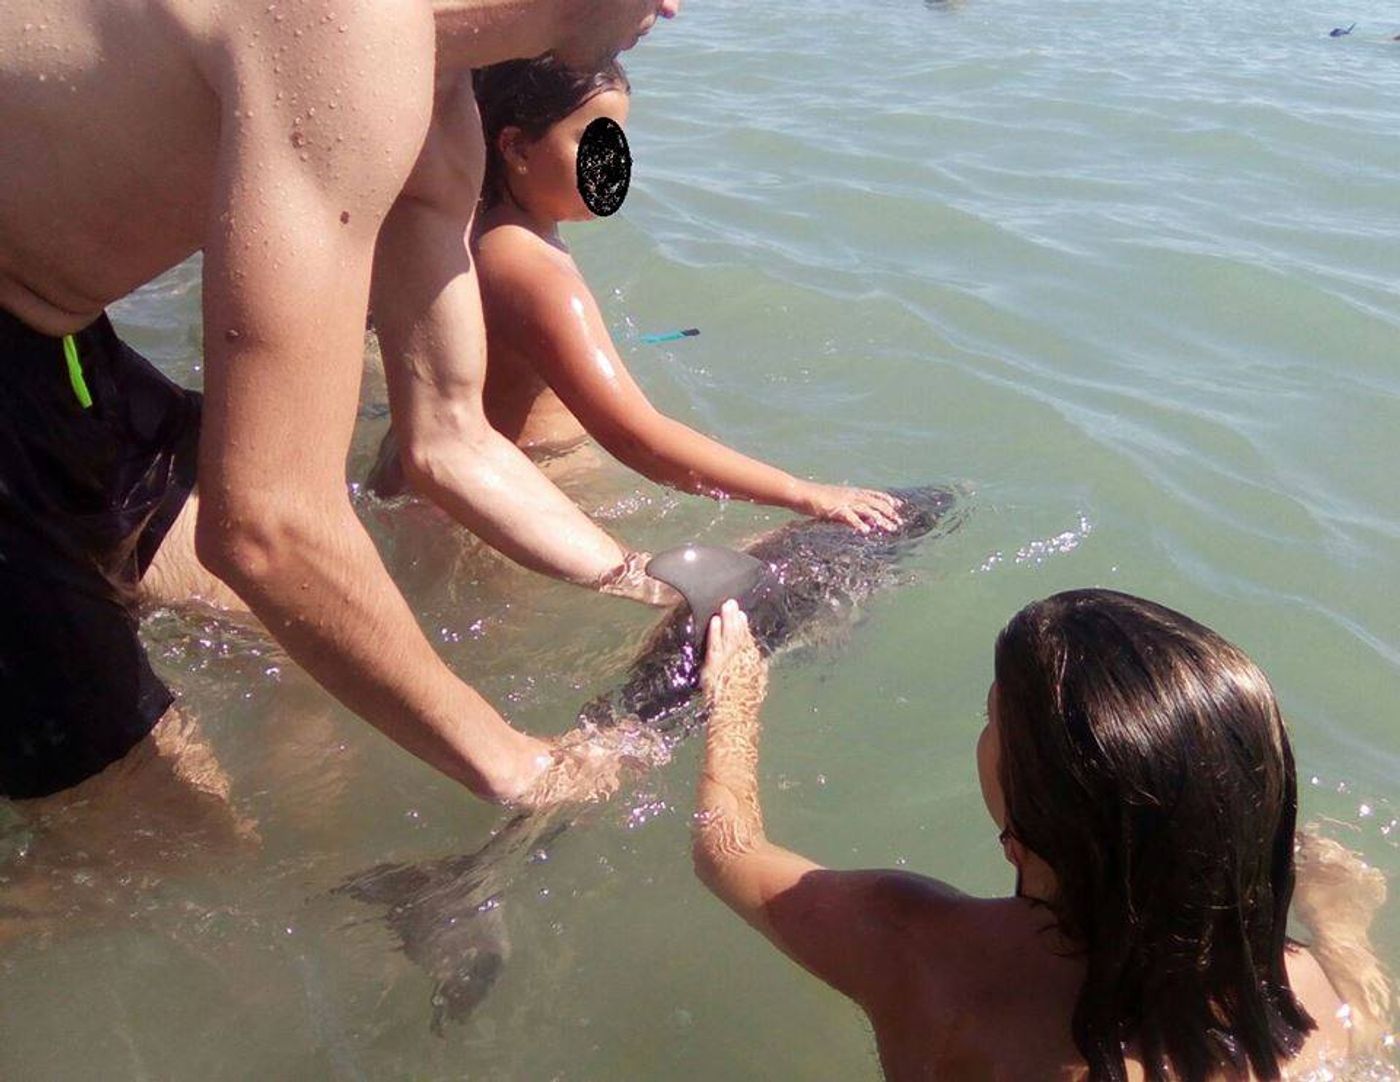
(176, 577)
(163, 803)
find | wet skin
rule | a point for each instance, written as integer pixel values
(306, 151)
(449, 915)
(555, 375)
(945, 978)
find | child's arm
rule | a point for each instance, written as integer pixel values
(546, 312)
(844, 927)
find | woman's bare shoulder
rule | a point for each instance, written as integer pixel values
(944, 919)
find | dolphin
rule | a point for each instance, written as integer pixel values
(447, 913)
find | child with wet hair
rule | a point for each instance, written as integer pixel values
(1137, 768)
(553, 376)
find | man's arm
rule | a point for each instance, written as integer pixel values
(427, 312)
(843, 927)
(581, 33)
(313, 150)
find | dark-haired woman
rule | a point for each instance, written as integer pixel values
(553, 375)
(1138, 771)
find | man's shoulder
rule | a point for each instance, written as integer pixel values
(310, 46)
(337, 98)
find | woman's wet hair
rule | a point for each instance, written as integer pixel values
(1143, 758)
(533, 95)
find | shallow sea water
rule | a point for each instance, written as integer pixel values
(1127, 271)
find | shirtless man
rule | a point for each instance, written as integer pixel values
(314, 153)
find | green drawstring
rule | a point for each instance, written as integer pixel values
(75, 372)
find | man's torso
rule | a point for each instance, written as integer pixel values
(111, 132)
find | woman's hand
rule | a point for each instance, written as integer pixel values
(734, 672)
(862, 508)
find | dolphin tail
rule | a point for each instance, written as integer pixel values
(447, 914)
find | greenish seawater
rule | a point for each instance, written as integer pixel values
(1127, 271)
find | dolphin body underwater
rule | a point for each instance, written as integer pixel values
(447, 913)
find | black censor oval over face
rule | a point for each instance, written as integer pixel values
(604, 166)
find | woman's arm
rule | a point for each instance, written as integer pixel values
(539, 307)
(841, 926)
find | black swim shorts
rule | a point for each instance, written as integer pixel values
(97, 456)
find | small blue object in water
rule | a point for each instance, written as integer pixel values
(1340, 32)
(670, 336)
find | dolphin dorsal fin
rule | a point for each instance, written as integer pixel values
(707, 576)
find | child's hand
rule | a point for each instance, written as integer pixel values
(862, 508)
(630, 579)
